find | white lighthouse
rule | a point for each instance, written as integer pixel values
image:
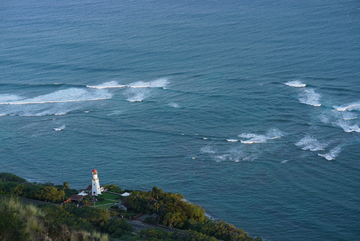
(95, 184)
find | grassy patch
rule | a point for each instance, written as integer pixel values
(107, 195)
(105, 206)
(104, 202)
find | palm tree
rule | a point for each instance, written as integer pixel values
(65, 186)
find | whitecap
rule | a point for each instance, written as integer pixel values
(349, 107)
(174, 105)
(295, 83)
(312, 144)
(232, 140)
(60, 128)
(285, 161)
(344, 120)
(9, 97)
(107, 85)
(310, 97)
(137, 95)
(333, 153)
(346, 126)
(159, 83)
(254, 138)
(61, 96)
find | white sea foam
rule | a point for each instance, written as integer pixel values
(159, 83)
(312, 144)
(343, 119)
(333, 153)
(232, 140)
(9, 98)
(208, 149)
(60, 128)
(346, 126)
(285, 161)
(107, 85)
(295, 83)
(254, 138)
(117, 112)
(61, 96)
(137, 95)
(236, 155)
(310, 97)
(174, 105)
(349, 107)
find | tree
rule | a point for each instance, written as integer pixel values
(113, 188)
(49, 193)
(65, 186)
(173, 219)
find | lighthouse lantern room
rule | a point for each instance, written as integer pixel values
(95, 184)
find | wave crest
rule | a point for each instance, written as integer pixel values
(295, 83)
(310, 97)
(253, 138)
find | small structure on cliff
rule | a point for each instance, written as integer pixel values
(95, 184)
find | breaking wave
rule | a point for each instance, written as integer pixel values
(137, 95)
(59, 102)
(139, 91)
(159, 83)
(60, 96)
(232, 140)
(253, 138)
(312, 144)
(310, 97)
(333, 153)
(60, 128)
(107, 85)
(295, 83)
(344, 120)
(349, 107)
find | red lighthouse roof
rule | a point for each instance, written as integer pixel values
(94, 170)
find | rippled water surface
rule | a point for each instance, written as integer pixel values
(250, 109)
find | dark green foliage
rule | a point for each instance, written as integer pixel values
(100, 198)
(46, 191)
(113, 188)
(117, 228)
(9, 177)
(159, 234)
(218, 229)
(75, 217)
(173, 211)
(12, 228)
(171, 208)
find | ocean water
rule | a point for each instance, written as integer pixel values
(248, 108)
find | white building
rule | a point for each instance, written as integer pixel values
(95, 184)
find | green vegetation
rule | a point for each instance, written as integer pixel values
(173, 211)
(28, 222)
(113, 188)
(23, 222)
(107, 195)
(159, 234)
(12, 184)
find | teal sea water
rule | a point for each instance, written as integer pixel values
(248, 108)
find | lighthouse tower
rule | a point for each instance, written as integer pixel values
(95, 184)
